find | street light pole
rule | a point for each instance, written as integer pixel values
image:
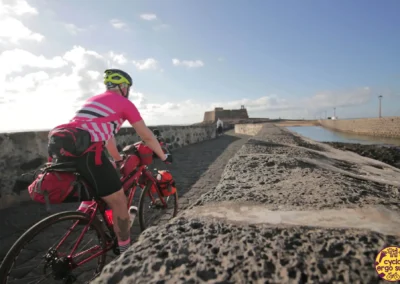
(334, 111)
(380, 105)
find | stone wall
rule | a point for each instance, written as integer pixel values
(248, 129)
(26, 151)
(383, 127)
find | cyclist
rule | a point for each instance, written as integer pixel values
(91, 130)
(220, 124)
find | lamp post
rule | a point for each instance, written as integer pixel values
(380, 106)
(334, 112)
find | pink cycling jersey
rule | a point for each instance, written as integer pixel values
(114, 110)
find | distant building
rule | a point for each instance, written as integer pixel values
(225, 114)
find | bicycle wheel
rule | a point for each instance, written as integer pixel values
(157, 212)
(56, 267)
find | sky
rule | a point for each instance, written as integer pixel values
(289, 58)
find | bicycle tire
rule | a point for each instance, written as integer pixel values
(28, 236)
(143, 195)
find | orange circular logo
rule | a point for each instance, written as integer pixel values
(387, 264)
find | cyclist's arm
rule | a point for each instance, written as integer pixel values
(148, 137)
(133, 116)
(113, 150)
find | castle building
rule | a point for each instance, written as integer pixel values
(225, 114)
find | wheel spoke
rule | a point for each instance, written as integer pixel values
(151, 209)
(38, 263)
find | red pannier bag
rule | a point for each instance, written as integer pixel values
(145, 153)
(53, 187)
(130, 164)
(166, 182)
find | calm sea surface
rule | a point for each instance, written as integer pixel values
(321, 134)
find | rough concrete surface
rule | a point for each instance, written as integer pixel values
(248, 129)
(331, 214)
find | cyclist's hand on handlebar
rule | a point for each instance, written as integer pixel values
(119, 163)
(168, 160)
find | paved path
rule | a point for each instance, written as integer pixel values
(197, 169)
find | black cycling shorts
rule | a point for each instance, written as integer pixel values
(102, 178)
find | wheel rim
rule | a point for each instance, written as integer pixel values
(29, 264)
(154, 213)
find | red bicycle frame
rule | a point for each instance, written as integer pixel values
(96, 205)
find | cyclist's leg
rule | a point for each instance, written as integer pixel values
(104, 179)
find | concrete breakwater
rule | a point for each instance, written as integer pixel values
(286, 210)
(26, 151)
(248, 128)
(383, 127)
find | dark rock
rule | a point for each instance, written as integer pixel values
(387, 154)
(206, 275)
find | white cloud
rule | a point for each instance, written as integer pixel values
(80, 57)
(271, 106)
(118, 24)
(12, 30)
(54, 87)
(339, 98)
(16, 59)
(148, 17)
(152, 18)
(138, 99)
(146, 64)
(27, 82)
(188, 63)
(19, 7)
(118, 58)
(270, 103)
(73, 29)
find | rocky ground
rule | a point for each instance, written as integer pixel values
(286, 210)
(387, 154)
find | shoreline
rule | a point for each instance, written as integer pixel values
(389, 154)
(298, 123)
